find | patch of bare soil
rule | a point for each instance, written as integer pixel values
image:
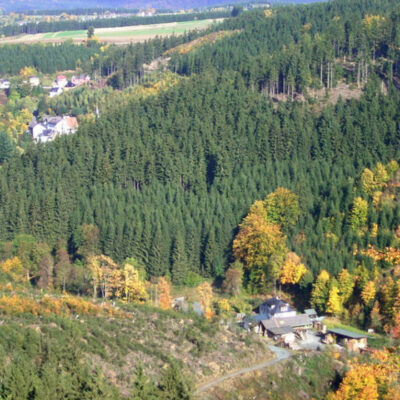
(331, 96)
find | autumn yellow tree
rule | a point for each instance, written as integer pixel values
(334, 304)
(376, 378)
(106, 275)
(346, 285)
(292, 270)
(320, 291)
(368, 293)
(256, 243)
(15, 269)
(282, 208)
(359, 214)
(359, 383)
(381, 175)
(27, 71)
(368, 181)
(392, 167)
(223, 307)
(205, 295)
(133, 288)
(387, 297)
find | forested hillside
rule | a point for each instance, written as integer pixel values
(218, 176)
(177, 172)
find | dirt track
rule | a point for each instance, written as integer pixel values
(280, 355)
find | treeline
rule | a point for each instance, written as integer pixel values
(124, 66)
(290, 49)
(86, 11)
(46, 58)
(72, 25)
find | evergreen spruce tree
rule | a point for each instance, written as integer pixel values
(179, 265)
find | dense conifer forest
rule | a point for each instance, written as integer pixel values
(233, 178)
(178, 171)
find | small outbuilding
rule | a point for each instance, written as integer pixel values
(353, 341)
(284, 333)
(311, 313)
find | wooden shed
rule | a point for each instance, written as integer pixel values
(353, 341)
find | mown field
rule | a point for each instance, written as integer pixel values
(116, 35)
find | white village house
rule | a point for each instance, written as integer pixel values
(275, 307)
(4, 84)
(51, 127)
(61, 81)
(55, 91)
(82, 79)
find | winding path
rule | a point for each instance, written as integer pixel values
(280, 355)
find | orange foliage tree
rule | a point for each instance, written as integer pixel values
(377, 379)
(164, 293)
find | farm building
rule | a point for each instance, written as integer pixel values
(275, 307)
(297, 323)
(51, 127)
(4, 84)
(351, 340)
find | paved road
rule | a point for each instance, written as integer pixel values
(280, 355)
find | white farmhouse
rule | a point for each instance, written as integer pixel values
(55, 91)
(51, 127)
(4, 84)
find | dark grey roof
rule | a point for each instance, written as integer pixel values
(294, 322)
(53, 120)
(298, 320)
(346, 333)
(272, 323)
(48, 132)
(275, 301)
(280, 331)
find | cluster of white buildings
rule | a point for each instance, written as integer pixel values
(62, 84)
(51, 127)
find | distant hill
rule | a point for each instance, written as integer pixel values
(21, 5)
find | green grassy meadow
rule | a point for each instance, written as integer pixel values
(135, 31)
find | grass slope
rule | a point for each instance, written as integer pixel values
(114, 341)
(306, 376)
